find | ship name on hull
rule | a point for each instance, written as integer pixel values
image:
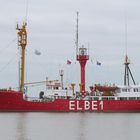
(86, 105)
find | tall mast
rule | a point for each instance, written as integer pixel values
(22, 42)
(82, 56)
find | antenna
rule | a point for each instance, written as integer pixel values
(128, 73)
(26, 11)
(126, 34)
(77, 35)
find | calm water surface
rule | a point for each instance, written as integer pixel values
(69, 126)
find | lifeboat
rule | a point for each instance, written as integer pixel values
(105, 88)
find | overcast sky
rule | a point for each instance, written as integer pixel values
(51, 30)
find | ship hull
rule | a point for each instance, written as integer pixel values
(14, 101)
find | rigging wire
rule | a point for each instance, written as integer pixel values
(8, 45)
(9, 62)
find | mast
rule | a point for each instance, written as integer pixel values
(128, 72)
(22, 42)
(77, 33)
(82, 56)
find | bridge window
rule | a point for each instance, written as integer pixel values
(123, 98)
(124, 90)
(128, 90)
(132, 98)
(135, 89)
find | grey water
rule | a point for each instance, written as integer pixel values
(69, 126)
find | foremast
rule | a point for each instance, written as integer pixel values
(22, 42)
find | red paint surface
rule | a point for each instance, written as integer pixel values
(82, 60)
(13, 101)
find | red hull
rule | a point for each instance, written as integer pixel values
(13, 101)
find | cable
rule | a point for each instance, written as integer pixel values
(8, 45)
(11, 60)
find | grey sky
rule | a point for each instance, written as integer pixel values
(51, 30)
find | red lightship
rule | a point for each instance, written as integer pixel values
(57, 98)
